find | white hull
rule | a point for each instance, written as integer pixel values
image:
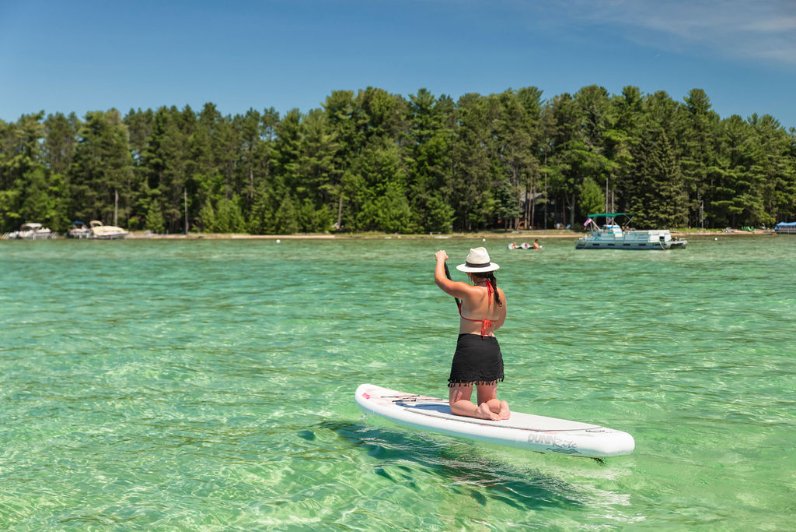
(17, 235)
(109, 235)
(31, 231)
(612, 238)
(80, 235)
(106, 232)
(525, 431)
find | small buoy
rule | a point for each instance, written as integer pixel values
(483, 240)
(715, 238)
(278, 241)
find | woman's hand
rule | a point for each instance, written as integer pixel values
(441, 256)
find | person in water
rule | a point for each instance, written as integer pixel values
(477, 361)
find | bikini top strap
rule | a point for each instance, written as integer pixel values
(486, 323)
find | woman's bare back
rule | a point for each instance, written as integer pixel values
(478, 304)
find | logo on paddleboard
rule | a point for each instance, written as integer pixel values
(553, 442)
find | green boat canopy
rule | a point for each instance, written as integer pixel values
(608, 214)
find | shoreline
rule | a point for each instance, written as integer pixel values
(542, 234)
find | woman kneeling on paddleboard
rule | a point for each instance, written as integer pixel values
(477, 361)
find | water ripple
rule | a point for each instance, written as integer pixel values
(163, 385)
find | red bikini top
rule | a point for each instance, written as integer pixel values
(486, 324)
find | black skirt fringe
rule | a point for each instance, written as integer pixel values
(454, 384)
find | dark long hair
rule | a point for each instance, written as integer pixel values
(490, 276)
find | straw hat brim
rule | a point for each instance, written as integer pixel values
(481, 269)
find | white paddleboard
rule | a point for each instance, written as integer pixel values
(526, 431)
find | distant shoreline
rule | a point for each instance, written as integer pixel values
(516, 235)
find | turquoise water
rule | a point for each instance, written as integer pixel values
(209, 384)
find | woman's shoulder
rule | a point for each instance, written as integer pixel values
(472, 290)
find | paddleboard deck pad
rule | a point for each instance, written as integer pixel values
(526, 431)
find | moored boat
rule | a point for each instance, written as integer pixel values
(106, 232)
(785, 228)
(31, 231)
(611, 235)
(79, 230)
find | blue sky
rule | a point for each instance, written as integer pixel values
(86, 55)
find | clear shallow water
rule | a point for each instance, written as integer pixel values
(209, 384)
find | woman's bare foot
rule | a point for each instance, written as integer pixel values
(504, 413)
(485, 413)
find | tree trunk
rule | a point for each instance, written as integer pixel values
(185, 200)
(572, 211)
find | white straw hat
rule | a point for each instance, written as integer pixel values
(477, 262)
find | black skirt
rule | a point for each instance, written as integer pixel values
(477, 361)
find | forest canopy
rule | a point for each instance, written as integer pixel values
(374, 161)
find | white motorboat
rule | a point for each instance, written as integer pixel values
(612, 236)
(79, 230)
(31, 231)
(106, 232)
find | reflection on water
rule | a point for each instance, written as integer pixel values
(477, 476)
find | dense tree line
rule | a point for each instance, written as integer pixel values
(372, 160)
